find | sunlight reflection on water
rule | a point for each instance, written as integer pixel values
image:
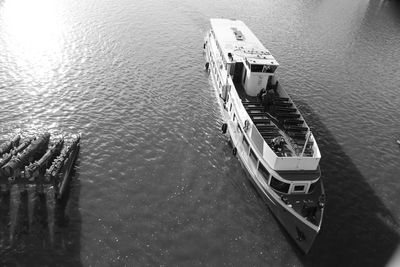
(34, 32)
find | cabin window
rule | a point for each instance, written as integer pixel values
(312, 187)
(264, 172)
(263, 68)
(256, 68)
(299, 188)
(253, 157)
(270, 68)
(279, 185)
(245, 143)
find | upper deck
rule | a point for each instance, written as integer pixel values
(235, 38)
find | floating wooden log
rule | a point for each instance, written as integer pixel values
(7, 157)
(32, 152)
(68, 167)
(60, 170)
(6, 147)
(34, 170)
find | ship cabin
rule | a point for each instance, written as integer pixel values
(274, 134)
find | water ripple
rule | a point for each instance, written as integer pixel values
(157, 183)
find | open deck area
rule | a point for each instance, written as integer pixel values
(280, 118)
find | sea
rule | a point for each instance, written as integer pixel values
(155, 183)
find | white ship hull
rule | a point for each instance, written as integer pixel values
(301, 229)
(285, 216)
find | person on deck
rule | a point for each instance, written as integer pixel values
(278, 143)
(260, 94)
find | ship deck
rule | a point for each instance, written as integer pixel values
(281, 118)
(307, 205)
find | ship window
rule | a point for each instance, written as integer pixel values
(264, 172)
(279, 185)
(245, 143)
(298, 188)
(271, 68)
(263, 68)
(256, 68)
(312, 187)
(253, 157)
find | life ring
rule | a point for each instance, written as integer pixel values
(234, 151)
(224, 128)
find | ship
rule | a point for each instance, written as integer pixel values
(268, 134)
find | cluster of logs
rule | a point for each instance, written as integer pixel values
(34, 161)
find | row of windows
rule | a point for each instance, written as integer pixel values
(253, 157)
(276, 184)
(220, 52)
(213, 64)
(246, 144)
(219, 48)
(216, 73)
(279, 186)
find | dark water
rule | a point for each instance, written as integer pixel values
(155, 182)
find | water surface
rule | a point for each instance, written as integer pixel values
(156, 183)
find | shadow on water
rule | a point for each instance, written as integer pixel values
(358, 230)
(48, 235)
(389, 8)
